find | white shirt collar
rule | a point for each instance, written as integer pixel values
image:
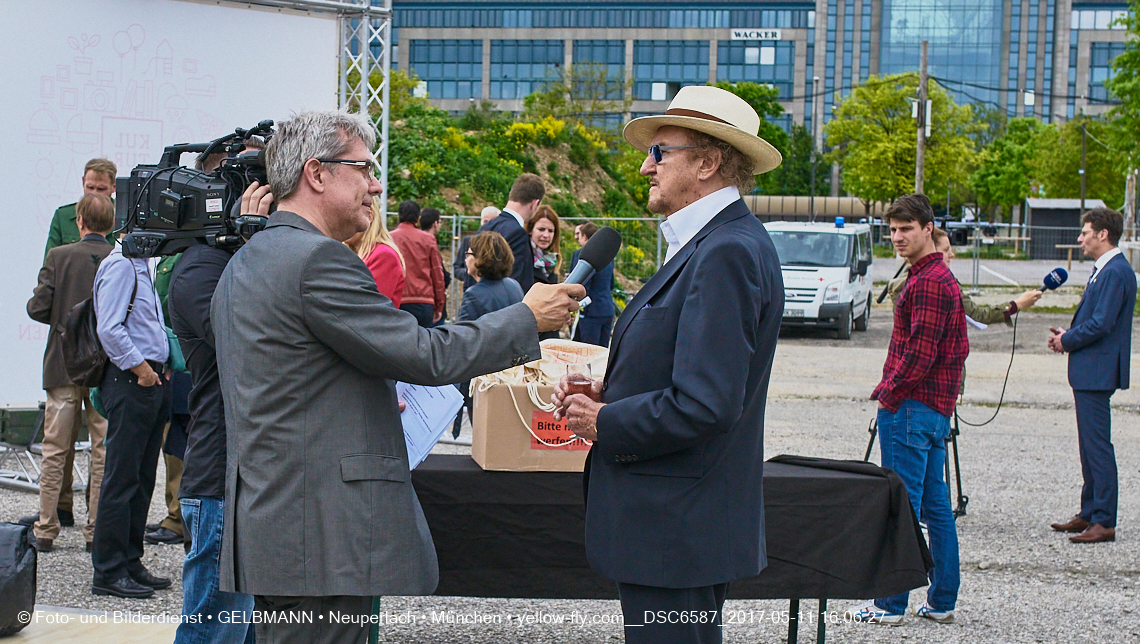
(517, 217)
(1104, 259)
(684, 224)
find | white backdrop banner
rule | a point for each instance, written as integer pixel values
(122, 79)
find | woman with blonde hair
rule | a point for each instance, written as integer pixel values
(380, 254)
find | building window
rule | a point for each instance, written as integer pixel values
(451, 68)
(767, 62)
(662, 67)
(522, 67)
(1100, 70)
(607, 55)
(456, 16)
(1097, 18)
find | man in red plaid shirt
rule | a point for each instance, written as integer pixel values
(916, 398)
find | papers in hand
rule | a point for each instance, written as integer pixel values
(977, 325)
(430, 412)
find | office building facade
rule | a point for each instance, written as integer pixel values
(1043, 58)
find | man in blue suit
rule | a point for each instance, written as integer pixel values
(525, 197)
(674, 501)
(1099, 345)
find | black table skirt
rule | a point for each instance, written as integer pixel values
(835, 529)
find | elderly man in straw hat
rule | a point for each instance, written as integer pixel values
(674, 508)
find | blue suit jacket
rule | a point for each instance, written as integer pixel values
(600, 290)
(674, 488)
(1099, 343)
(507, 226)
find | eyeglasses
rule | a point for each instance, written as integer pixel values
(367, 165)
(656, 151)
(470, 254)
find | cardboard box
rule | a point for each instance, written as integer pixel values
(502, 441)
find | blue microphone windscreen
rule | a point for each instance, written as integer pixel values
(1056, 278)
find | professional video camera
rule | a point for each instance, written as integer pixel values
(166, 208)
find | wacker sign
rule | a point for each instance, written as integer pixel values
(756, 34)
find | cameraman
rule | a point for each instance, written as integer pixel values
(202, 490)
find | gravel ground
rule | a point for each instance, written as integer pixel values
(1020, 581)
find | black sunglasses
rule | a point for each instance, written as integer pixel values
(656, 151)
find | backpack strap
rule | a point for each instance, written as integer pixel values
(134, 292)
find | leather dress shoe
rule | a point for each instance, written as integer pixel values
(144, 578)
(43, 545)
(1076, 524)
(162, 535)
(88, 547)
(151, 527)
(125, 587)
(1095, 533)
(66, 519)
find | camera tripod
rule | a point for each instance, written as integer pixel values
(951, 442)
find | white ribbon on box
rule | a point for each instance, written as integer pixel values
(546, 371)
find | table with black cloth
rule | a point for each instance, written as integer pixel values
(835, 529)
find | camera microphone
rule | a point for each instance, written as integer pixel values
(1056, 278)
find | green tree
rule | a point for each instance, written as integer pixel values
(793, 176)
(585, 93)
(1058, 171)
(1124, 85)
(873, 139)
(764, 99)
(1003, 175)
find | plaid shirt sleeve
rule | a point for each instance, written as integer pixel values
(910, 364)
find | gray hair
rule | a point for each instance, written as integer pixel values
(312, 135)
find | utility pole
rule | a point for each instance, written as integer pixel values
(814, 125)
(920, 150)
(1084, 138)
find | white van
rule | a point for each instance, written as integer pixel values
(826, 274)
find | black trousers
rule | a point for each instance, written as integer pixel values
(423, 312)
(135, 419)
(313, 620)
(675, 615)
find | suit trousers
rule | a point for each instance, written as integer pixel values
(135, 418)
(674, 615)
(299, 619)
(1098, 458)
(63, 419)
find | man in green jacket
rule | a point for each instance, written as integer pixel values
(985, 314)
(98, 177)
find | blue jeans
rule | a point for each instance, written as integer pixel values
(202, 518)
(913, 444)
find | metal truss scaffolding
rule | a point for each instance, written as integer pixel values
(364, 50)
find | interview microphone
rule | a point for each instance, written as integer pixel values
(1056, 278)
(599, 252)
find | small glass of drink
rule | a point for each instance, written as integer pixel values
(579, 379)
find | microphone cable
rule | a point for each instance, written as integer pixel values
(1012, 352)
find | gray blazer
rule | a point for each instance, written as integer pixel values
(319, 499)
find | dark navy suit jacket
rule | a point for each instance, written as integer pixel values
(674, 489)
(600, 290)
(507, 226)
(1099, 343)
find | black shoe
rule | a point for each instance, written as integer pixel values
(144, 578)
(162, 535)
(125, 587)
(28, 520)
(66, 518)
(151, 527)
(88, 546)
(43, 545)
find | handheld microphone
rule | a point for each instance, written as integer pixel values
(1056, 278)
(598, 252)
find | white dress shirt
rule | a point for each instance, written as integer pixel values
(1101, 261)
(684, 224)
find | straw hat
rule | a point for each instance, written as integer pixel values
(716, 112)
